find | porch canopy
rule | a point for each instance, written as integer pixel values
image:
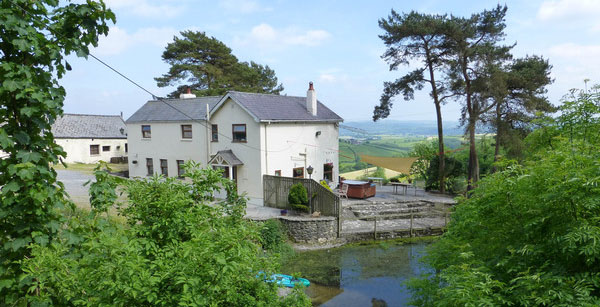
(225, 158)
(398, 164)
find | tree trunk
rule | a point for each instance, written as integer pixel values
(441, 155)
(498, 135)
(473, 171)
(438, 111)
(473, 175)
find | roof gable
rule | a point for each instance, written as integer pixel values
(89, 126)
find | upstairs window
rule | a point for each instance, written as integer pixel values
(150, 166)
(239, 133)
(94, 150)
(215, 133)
(146, 131)
(186, 131)
(164, 167)
(105, 148)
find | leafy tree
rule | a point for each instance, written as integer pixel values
(207, 66)
(35, 37)
(177, 250)
(530, 233)
(415, 37)
(474, 54)
(519, 99)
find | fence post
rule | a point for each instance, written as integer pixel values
(445, 219)
(339, 216)
(411, 224)
(375, 229)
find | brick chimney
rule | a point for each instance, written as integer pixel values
(311, 99)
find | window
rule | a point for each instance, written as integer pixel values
(180, 169)
(215, 133)
(164, 167)
(328, 171)
(239, 133)
(126, 147)
(278, 173)
(94, 150)
(186, 131)
(150, 166)
(298, 172)
(105, 148)
(146, 131)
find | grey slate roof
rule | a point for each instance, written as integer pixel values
(228, 156)
(264, 107)
(268, 107)
(89, 126)
(173, 110)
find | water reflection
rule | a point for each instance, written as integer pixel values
(359, 275)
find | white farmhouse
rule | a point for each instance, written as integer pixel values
(91, 138)
(245, 134)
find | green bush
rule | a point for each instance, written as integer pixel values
(272, 234)
(178, 249)
(298, 197)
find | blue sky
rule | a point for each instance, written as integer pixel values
(335, 44)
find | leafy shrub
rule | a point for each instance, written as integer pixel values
(325, 185)
(177, 249)
(272, 234)
(298, 197)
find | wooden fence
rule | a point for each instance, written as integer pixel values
(277, 188)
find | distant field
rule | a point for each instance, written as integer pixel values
(386, 146)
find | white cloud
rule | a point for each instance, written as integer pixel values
(118, 40)
(243, 6)
(581, 53)
(146, 8)
(568, 9)
(327, 78)
(265, 36)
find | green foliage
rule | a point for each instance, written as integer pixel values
(177, 249)
(298, 195)
(453, 170)
(209, 68)
(102, 191)
(530, 233)
(325, 185)
(35, 37)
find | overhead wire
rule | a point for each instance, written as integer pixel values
(155, 97)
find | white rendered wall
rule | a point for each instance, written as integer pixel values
(292, 145)
(249, 175)
(166, 143)
(78, 150)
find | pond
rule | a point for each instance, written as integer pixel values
(366, 275)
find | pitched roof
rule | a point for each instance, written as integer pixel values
(173, 110)
(89, 126)
(269, 107)
(227, 156)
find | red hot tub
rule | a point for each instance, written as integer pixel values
(360, 189)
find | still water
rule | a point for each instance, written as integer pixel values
(368, 275)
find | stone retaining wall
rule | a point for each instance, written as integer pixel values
(391, 234)
(310, 229)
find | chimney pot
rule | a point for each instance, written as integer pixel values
(188, 94)
(310, 86)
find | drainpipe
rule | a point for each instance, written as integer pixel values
(208, 136)
(266, 151)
